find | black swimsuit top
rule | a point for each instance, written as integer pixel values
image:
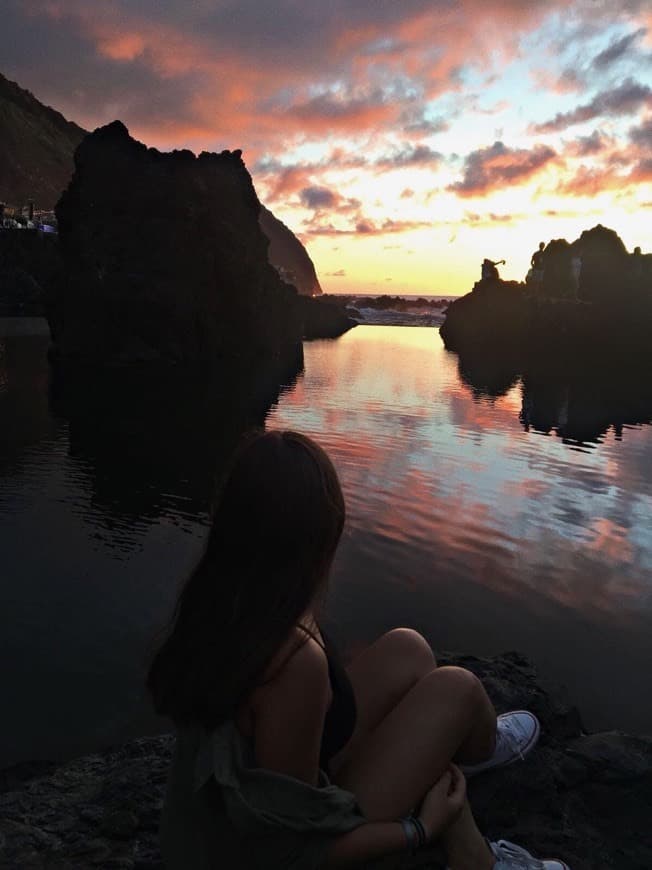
(340, 718)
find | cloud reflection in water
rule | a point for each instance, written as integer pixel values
(462, 523)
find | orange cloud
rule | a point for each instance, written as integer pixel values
(127, 46)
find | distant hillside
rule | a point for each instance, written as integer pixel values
(36, 148)
(288, 255)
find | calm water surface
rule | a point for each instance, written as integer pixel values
(461, 523)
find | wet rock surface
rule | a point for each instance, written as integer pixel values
(584, 798)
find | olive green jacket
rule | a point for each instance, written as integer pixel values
(223, 812)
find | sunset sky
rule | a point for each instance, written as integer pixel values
(402, 141)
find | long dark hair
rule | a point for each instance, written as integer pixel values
(275, 529)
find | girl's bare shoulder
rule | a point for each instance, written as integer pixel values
(300, 657)
(297, 672)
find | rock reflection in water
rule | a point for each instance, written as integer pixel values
(580, 405)
(106, 481)
(583, 408)
(156, 442)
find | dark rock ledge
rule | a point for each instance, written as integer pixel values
(584, 797)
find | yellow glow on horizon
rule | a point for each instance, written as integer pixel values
(446, 259)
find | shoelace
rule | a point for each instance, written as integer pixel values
(516, 855)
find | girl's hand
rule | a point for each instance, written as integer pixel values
(443, 802)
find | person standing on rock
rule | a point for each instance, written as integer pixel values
(535, 275)
(536, 261)
(285, 758)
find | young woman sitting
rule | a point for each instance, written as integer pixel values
(284, 757)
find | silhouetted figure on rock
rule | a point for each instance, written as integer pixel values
(535, 275)
(489, 270)
(536, 260)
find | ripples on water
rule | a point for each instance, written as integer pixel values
(461, 523)
(479, 533)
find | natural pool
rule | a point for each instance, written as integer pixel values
(481, 532)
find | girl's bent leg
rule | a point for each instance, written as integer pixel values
(445, 715)
(466, 848)
(381, 676)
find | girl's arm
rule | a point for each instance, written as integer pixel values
(369, 841)
(289, 714)
(441, 805)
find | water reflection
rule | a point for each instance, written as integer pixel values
(580, 403)
(583, 408)
(462, 521)
(154, 445)
(480, 533)
(105, 487)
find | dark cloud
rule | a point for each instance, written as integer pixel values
(623, 100)
(570, 80)
(585, 146)
(642, 135)
(618, 49)
(410, 155)
(497, 166)
(415, 121)
(363, 226)
(318, 197)
(337, 108)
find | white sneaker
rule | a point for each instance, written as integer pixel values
(516, 735)
(509, 856)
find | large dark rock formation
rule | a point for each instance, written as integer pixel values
(605, 316)
(288, 256)
(37, 145)
(164, 259)
(323, 319)
(582, 347)
(586, 798)
(36, 148)
(606, 273)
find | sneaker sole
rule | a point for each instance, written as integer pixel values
(488, 765)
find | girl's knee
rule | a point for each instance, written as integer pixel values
(460, 686)
(410, 646)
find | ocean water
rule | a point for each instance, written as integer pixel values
(470, 518)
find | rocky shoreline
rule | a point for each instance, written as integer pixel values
(584, 797)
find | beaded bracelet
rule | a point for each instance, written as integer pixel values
(415, 833)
